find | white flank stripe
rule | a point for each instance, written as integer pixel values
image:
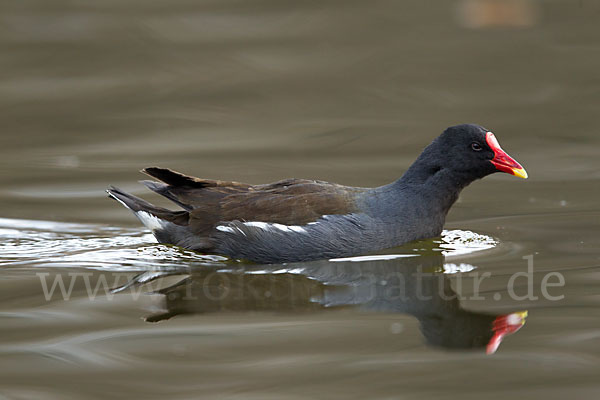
(297, 228)
(267, 226)
(261, 225)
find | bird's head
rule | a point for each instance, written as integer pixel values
(472, 150)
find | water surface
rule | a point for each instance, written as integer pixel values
(91, 93)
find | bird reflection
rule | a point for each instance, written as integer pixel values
(414, 285)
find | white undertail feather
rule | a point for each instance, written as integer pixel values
(118, 199)
(150, 221)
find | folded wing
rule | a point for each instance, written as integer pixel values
(287, 202)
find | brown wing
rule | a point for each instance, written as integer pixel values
(289, 202)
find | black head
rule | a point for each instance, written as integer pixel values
(469, 330)
(470, 151)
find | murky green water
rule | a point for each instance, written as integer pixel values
(348, 92)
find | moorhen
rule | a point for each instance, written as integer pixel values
(299, 220)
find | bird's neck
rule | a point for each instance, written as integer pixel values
(429, 188)
(438, 187)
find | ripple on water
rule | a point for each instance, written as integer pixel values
(457, 242)
(28, 243)
(57, 244)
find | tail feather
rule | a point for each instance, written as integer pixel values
(174, 178)
(166, 190)
(167, 226)
(149, 214)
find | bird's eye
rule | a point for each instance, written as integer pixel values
(476, 146)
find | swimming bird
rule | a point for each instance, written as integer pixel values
(299, 220)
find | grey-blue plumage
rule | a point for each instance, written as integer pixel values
(299, 220)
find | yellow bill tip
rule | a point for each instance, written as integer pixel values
(522, 315)
(520, 172)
